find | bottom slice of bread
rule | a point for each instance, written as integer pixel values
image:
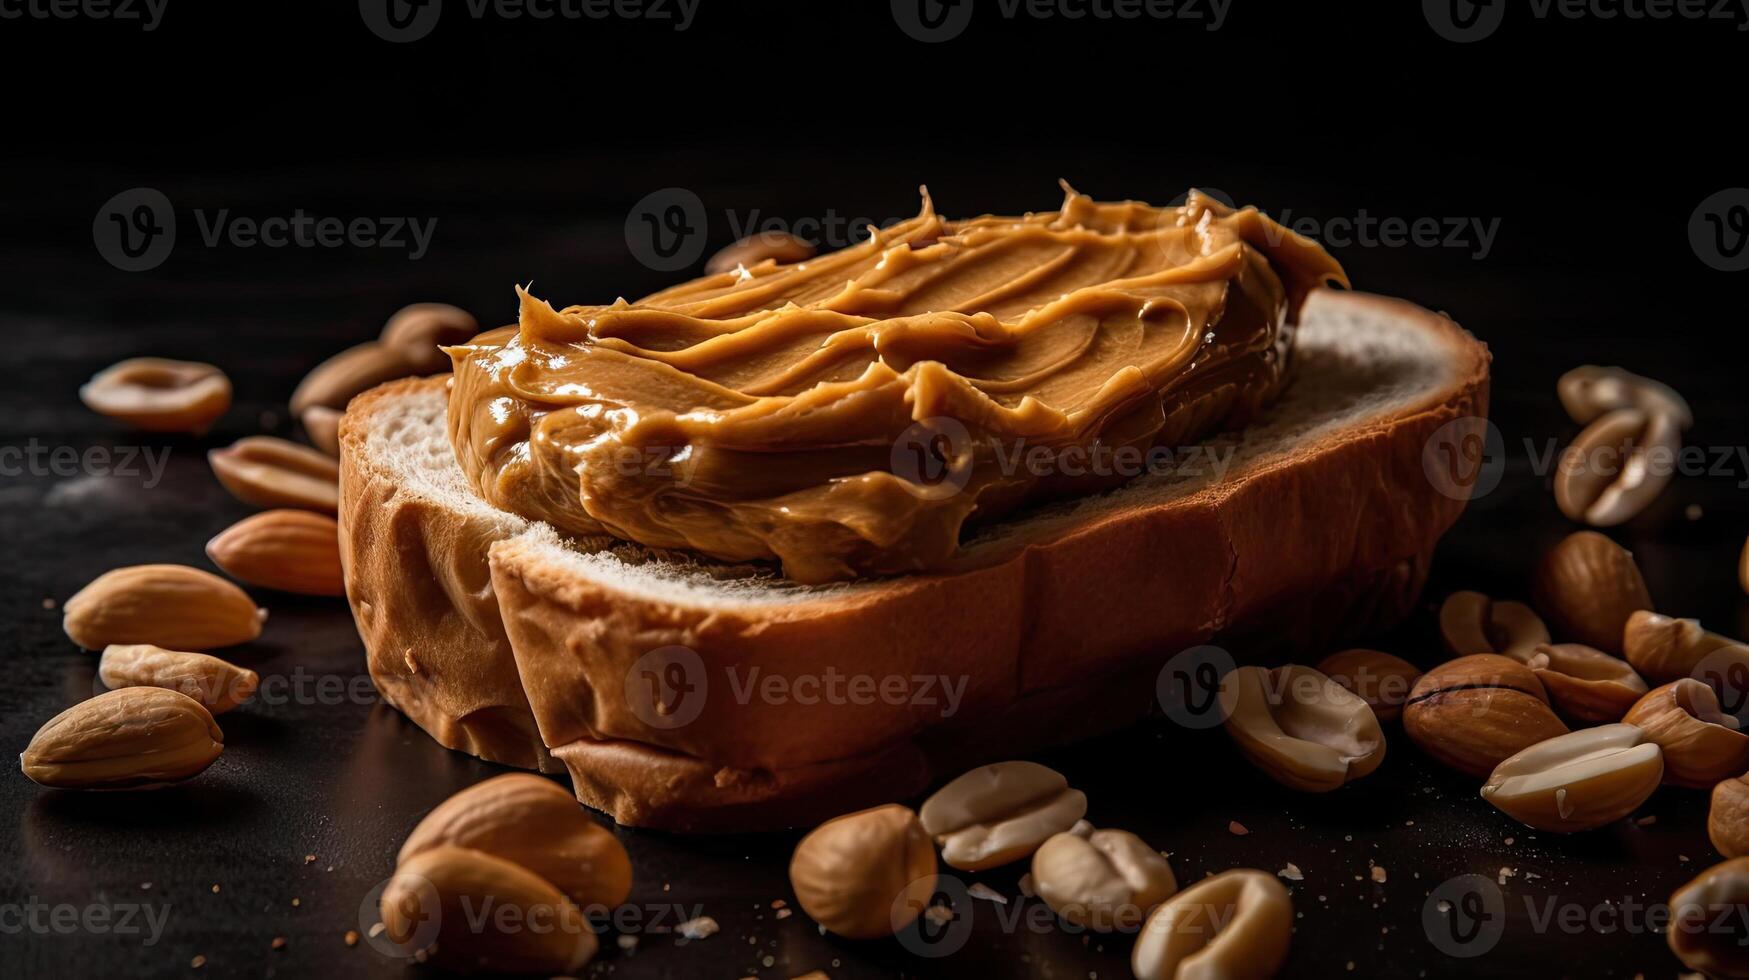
(694, 695)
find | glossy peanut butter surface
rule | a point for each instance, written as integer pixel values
(848, 415)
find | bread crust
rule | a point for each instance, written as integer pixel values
(1289, 554)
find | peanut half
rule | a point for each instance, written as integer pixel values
(1664, 648)
(159, 395)
(171, 606)
(1000, 813)
(217, 685)
(536, 824)
(865, 874)
(1586, 685)
(134, 738)
(269, 472)
(1577, 781)
(1105, 880)
(1381, 680)
(289, 550)
(418, 332)
(322, 428)
(773, 246)
(1706, 924)
(1471, 623)
(1302, 729)
(1701, 743)
(532, 926)
(1588, 586)
(335, 381)
(1235, 925)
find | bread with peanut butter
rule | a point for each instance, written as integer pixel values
(665, 623)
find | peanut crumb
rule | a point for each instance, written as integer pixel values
(48, 603)
(1378, 873)
(351, 937)
(197, 963)
(309, 859)
(215, 889)
(377, 930)
(700, 928)
(297, 902)
(985, 892)
(1292, 872)
(1647, 820)
(278, 942)
(784, 913)
(1237, 828)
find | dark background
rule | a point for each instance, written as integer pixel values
(1589, 141)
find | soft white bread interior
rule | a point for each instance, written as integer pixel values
(500, 638)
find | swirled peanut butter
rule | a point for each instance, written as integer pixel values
(848, 415)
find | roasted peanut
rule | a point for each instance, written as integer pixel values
(171, 606)
(1381, 680)
(1586, 685)
(1588, 586)
(418, 332)
(1235, 925)
(1302, 729)
(1000, 813)
(290, 550)
(1663, 648)
(865, 874)
(134, 738)
(756, 248)
(1727, 821)
(1615, 468)
(270, 472)
(1104, 880)
(322, 427)
(1471, 623)
(337, 380)
(1577, 781)
(1706, 923)
(217, 685)
(159, 395)
(536, 824)
(1475, 712)
(1701, 743)
(532, 928)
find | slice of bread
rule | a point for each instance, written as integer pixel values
(695, 695)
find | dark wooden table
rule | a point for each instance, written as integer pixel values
(531, 174)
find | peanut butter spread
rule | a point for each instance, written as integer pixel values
(847, 415)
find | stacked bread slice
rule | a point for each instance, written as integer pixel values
(693, 695)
